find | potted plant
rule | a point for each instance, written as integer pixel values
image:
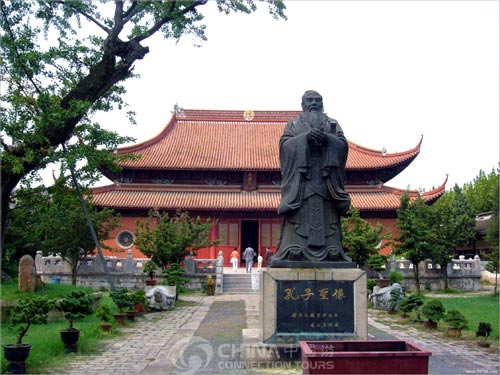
(377, 263)
(123, 301)
(409, 304)
(103, 312)
(150, 268)
(456, 322)
(434, 312)
(484, 330)
(75, 306)
(173, 275)
(139, 300)
(28, 311)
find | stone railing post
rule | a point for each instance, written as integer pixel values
(189, 265)
(128, 267)
(39, 262)
(219, 273)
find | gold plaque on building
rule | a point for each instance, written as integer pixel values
(248, 115)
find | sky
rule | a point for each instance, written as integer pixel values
(389, 72)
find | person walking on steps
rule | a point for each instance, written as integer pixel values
(235, 258)
(249, 254)
(259, 262)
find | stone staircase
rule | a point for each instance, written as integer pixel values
(237, 283)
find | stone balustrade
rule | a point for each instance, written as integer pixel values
(463, 274)
(126, 272)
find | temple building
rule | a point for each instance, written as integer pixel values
(225, 165)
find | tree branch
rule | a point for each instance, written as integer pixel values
(85, 14)
(131, 11)
(13, 38)
(169, 18)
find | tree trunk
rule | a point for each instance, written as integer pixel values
(417, 278)
(74, 270)
(496, 281)
(445, 275)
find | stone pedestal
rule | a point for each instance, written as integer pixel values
(299, 304)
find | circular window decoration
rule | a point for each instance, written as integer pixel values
(125, 239)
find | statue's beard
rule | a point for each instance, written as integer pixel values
(314, 117)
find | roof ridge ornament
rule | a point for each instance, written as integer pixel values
(179, 111)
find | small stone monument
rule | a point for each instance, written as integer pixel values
(27, 274)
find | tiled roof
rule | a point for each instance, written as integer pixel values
(133, 196)
(224, 140)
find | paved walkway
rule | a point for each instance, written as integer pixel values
(203, 335)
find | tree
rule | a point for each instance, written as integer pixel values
(492, 238)
(360, 238)
(63, 61)
(414, 237)
(453, 222)
(52, 221)
(481, 191)
(171, 239)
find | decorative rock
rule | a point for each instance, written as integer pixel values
(382, 296)
(161, 297)
(27, 274)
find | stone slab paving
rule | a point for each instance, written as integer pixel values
(150, 345)
(177, 342)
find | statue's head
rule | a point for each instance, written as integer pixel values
(312, 101)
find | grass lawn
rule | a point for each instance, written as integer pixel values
(475, 310)
(10, 292)
(47, 349)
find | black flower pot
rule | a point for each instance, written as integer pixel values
(70, 338)
(16, 356)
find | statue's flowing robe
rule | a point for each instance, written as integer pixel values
(312, 193)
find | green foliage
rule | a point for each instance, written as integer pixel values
(172, 238)
(411, 303)
(103, 312)
(476, 309)
(65, 61)
(75, 306)
(10, 291)
(492, 237)
(370, 283)
(360, 238)
(377, 262)
(173, 275)
(138, 297)
(122, 299)
(481, 192)
(150, 268)
(433, 310)
(395, 300)
(27, 312)
(452, 222)
(47, 352)
(455, 319)
(52, 220)
(395, 276)
(414, 237)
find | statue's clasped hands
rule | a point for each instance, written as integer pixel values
(317, 136)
